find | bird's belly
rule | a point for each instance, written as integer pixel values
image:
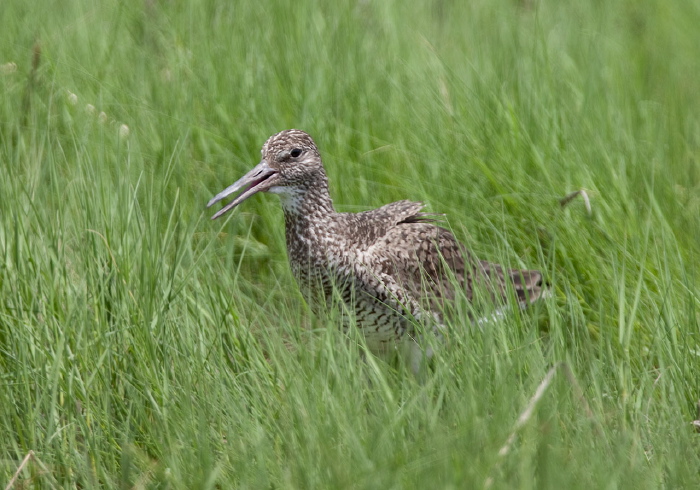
(381, 325)
(330, 293)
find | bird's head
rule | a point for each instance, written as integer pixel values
(290, 164)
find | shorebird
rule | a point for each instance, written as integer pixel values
(390, 266)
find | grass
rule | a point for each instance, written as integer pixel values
(144, 346)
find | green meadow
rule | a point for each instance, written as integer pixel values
(144, 346)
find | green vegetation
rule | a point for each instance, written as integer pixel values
(144, 346)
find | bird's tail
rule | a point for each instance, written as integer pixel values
(528, 285)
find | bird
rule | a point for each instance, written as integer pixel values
(390, 267)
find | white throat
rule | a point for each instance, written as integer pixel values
(291, 197)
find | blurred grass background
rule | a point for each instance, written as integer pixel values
(143, 346)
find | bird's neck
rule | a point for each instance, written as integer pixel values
(307, 203)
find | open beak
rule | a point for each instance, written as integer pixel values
(261, 178)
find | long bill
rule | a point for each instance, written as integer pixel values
(260, 178)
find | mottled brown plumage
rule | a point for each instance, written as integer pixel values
(387, 265)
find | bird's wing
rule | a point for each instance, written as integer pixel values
(394, 244)
(426, 263)
(430, 263)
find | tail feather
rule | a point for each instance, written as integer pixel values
(528, 285)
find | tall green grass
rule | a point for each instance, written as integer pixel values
(143, 346)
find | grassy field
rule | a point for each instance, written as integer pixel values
(144, 346)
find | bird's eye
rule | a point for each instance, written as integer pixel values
(295, 152)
